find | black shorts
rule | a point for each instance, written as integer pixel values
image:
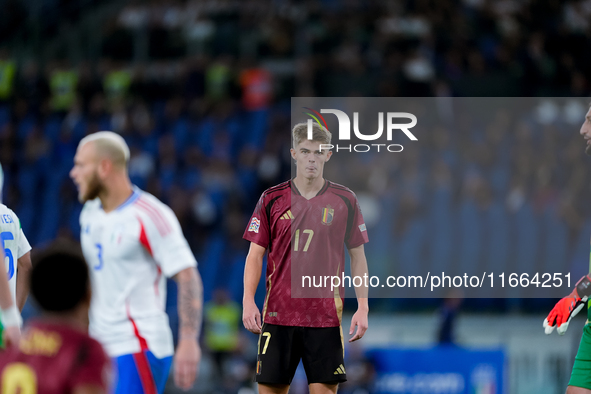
(282, 347)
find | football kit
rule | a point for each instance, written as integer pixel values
(130, 251)
(581, 372)
(303, 237)
(53, 359)
(14, 243)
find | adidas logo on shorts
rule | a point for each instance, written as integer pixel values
(340, 370)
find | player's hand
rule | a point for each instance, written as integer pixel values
(11, 336)
(186, 363)
(565, 309)
(360, 320)
(251, 317)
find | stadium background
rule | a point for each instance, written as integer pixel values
(201, 90)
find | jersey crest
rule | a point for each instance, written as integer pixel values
(327, 215)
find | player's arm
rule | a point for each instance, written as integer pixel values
(24, 267)
(190, 310)
(359, 268)
(565, 309)
(11, 318)
(251, 317)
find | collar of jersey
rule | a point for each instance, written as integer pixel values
(130, 200)
(295, 190)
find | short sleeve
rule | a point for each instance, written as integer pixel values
(23, 245)
(358, 234)
(161, 234)
(258, 229)
(92, 366)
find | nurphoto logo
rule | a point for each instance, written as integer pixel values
(344, 133)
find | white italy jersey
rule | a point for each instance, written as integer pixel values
(130, 251)
(14, 243)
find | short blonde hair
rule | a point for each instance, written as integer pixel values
(319, 134)
(109, 144)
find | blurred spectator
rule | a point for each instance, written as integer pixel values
(257, 87)
(63, 82)
(218, 78)
(7, 75)
(222, 321)
(116, 83)
(447, 319)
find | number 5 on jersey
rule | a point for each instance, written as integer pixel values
(296, 244)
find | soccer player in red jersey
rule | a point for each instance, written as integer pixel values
(303, 222)
(55, 354)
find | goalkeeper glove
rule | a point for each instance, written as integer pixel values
(569, 306)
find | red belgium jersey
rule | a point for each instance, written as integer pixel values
(305, 238)
(53, 359)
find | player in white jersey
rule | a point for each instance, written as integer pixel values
(131, 242)
(1, 182)
(17, 253)
(14, 246)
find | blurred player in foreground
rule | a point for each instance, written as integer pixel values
(569, 306)
(55, 354)
(14, 245)
(131, 242)
(306, 220)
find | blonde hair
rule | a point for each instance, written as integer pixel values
(109, 144)
(319, 134)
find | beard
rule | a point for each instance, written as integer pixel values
(588, 150)
(93, 189)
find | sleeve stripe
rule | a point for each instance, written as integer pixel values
(144, 238)
(161, 224)
(158, 214)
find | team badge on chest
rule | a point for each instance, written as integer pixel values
(327, 215)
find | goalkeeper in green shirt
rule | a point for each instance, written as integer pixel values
(569, 306)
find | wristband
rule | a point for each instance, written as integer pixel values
(583, 288)
(11, 317)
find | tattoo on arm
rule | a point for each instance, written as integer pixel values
(190, 303)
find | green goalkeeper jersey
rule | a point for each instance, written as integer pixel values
(588, 307)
